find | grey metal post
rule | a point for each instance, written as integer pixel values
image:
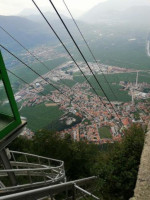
(7, 165)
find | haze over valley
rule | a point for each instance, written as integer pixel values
(74, 99)
(118, 35)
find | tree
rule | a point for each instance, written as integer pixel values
(116, 164)
(117, 170)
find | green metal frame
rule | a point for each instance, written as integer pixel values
(17, 121)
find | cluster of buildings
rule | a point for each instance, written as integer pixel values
(27, 133)
(136, 90)
(97, 68)
(96, 115)
(44, 53)
(80, 101)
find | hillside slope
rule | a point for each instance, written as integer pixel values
(111, 10)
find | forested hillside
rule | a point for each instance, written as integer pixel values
(116, 165)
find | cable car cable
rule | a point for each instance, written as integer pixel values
(90, 50)
(24, 48)
(84, 58)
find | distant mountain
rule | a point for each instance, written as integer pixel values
(26, 31)
(33, 15)
(122, 4)
(136, 14)
(31, 32)
(34, 32)
(111, 10)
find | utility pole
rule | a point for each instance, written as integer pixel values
(137, 77)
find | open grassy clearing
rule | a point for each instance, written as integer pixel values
(40, 115)
(104, 132)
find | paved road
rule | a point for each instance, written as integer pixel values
(148, 48)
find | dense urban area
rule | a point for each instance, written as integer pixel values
(90, 118)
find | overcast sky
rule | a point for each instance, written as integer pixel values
(14, 7)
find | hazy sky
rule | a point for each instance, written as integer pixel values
(14, 7)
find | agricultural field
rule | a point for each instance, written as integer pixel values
(114, 80)
(40, 115)
(47, 89)
(104, 132)
(29, 76)
(122, 45)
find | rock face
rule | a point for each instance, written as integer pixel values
(142, 189)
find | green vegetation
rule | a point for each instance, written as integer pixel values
(146, 90)
(104, 132)
(29, 76)
(77, 73)
(50, 144)
(69, 83)
(116, 164)
(87, 121)
(48, 89)
(114, 48)
(114, 80)
(39, 116)
(117, 170)
(136, 115)
(60, 125)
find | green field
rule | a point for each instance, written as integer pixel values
(29, 76)
(104, 132)
(121, 95)
(67, 82)
(76, 79)
(48, 89)
(114, 47)
(114, 80)
(40, 116)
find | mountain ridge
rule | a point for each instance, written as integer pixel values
(116, 9)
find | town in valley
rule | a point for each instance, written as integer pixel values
(100, 122)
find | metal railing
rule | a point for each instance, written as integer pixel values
(31, 171)
(53, 190)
